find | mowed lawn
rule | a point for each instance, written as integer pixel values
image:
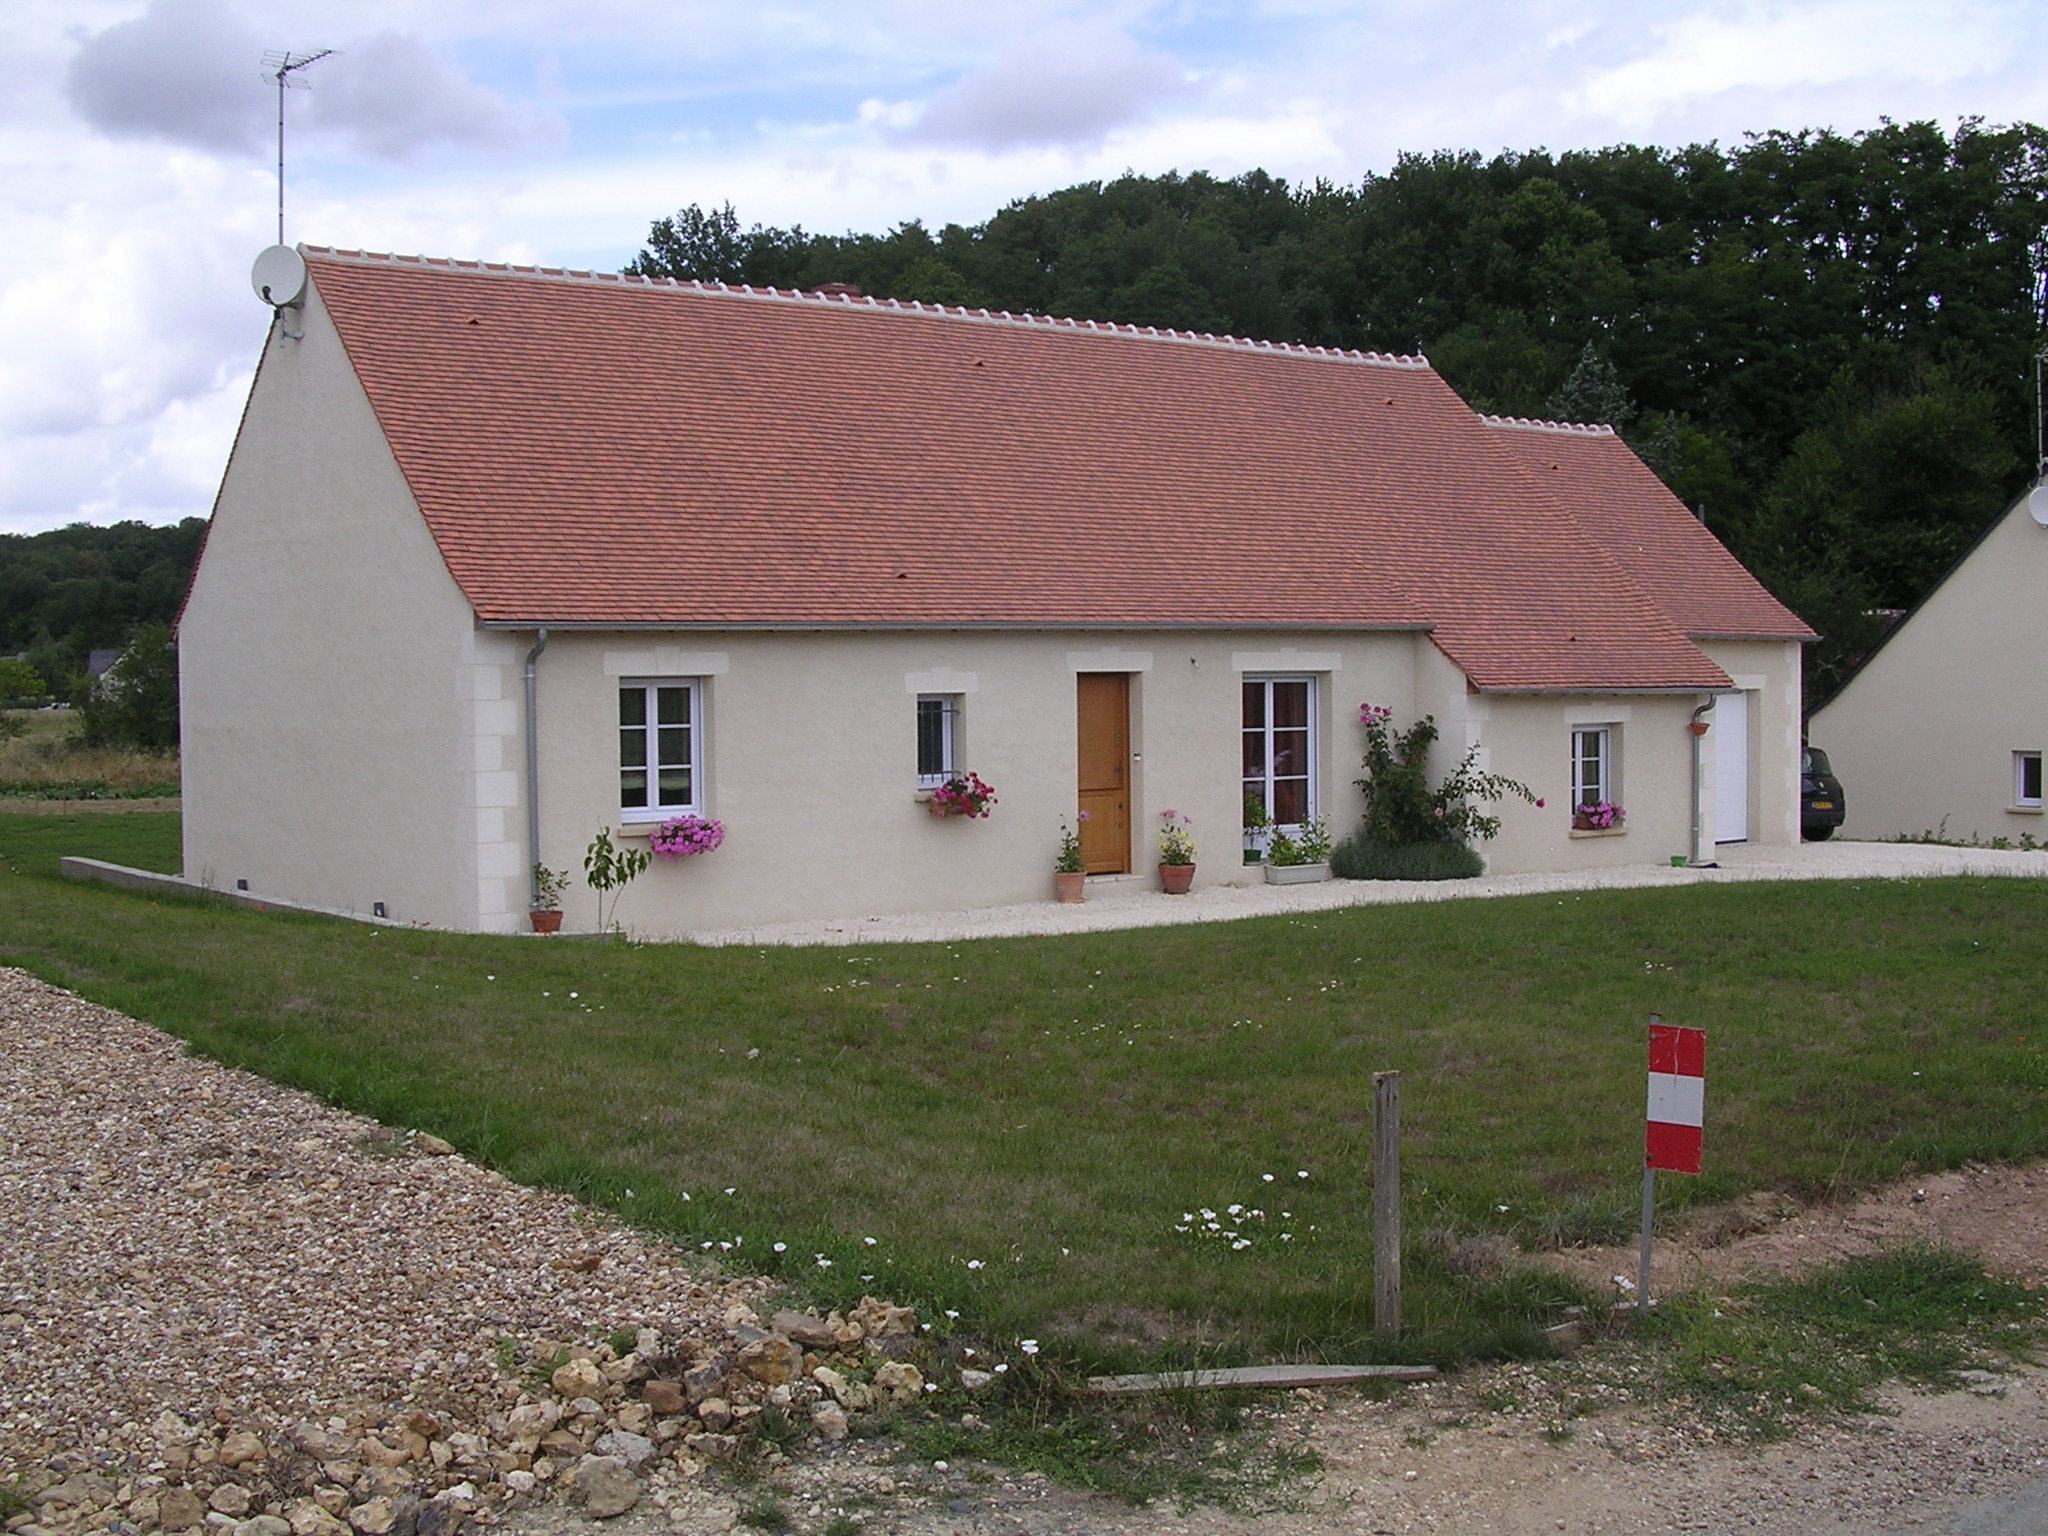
(1020, 1125)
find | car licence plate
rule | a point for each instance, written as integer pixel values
(1823, 805)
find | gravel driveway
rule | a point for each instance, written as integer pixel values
(1125, 902)
(186, 1238)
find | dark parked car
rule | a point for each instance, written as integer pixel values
(1821, 806)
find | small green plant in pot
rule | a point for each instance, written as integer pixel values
(1176, 853)
(1069, 873)
(1300, 857)
(548, 886)
(1258, 828)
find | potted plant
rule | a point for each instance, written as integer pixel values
(1258, 828)
(1599, 816)
(1069, 875)
(965, 794)
(1302, 858)
(548, 885)
(1176, 853)
(682, 836)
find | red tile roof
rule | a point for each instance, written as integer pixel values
(597, 451)
(1614, 496)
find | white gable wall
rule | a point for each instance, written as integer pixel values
(1923, 736)
(349, 736)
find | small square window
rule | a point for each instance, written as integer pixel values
(2026, 778)
(938, 738)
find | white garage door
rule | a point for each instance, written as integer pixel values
(1731, 768)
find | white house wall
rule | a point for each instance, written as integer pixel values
(809, 754)
(1922, 738)
(349, 736)
(1768, 672)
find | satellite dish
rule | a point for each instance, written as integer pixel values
(2037, 504)
(279, 276)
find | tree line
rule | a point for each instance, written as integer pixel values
(71, 591)
(1822, 342)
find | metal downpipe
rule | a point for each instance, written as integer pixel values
(1698, 729)
(533, 776)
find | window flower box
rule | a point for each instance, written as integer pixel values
(1296, 874)
(1598, 816)
(965, 794)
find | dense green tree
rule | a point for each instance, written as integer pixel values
(135, 702)
(68, 592)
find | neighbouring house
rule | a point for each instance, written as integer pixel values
(791, 560)
(1942, 726)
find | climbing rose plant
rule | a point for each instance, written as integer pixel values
(1400, 805)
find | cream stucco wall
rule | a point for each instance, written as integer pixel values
(1922, 738)
(1768, 671)
(350, 737)
(810, 759)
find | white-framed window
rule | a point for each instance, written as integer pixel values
(938, 738)
(1280, 748)
(1592, 764)
(661, 748)
(2026, 778)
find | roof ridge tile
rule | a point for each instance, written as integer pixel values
(1411, 361)
(1532, 424)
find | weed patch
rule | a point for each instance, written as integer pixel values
(1766, 1356)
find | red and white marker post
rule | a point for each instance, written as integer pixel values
(1678, 1097)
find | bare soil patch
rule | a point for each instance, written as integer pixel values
(1999, 1214)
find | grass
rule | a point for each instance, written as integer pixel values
(1020, 1125)
(43, 763)
(1186, 1448)
(1769, 1355)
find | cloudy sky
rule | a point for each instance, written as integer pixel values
(137, 139)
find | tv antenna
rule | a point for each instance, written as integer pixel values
(283, 66)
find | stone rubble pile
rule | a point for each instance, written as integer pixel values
(587, 1422)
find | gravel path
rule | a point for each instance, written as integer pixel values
(1118, 905)
(188, 1238)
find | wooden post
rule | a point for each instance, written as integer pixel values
(1386, 1203)
(1643, 1263)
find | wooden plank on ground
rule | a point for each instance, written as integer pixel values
(1259, 1376)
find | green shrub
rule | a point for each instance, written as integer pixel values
(20, 682)
(136, 703)
(1400, 806)
(1359, 857)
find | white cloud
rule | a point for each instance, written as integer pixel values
(183, 71)
(187, 72)
(393, 96)
(1068, 85)
(1783, 47)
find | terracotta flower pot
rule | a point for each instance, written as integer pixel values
(1070, 885)
(1175, 879)
(546, 922)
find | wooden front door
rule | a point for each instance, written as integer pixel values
(1104, 713)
